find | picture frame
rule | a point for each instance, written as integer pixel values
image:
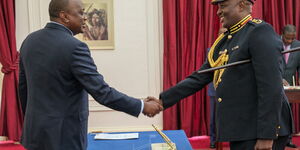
(99, 30)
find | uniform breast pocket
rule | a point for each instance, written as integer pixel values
(238, 53)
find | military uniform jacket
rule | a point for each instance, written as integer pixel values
(251, 103)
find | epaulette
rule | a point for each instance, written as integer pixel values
(256, 21)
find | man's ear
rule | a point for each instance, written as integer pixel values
(64, 16)
(242, 4)
(245, 5)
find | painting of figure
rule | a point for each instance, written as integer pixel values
(98, 32)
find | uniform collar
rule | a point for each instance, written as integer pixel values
(238, 26)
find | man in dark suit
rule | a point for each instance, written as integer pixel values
(292, 60)
(56, 74)
(252, 111)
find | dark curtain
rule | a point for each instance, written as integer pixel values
(11, 115)
(190, 27)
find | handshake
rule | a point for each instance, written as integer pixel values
(152, 106)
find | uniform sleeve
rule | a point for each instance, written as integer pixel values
(22, 90)
(85, 71)
(186, 87)
(265, 49)
(297, 45)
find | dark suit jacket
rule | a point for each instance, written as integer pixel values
(56, 74)
(251, 100)
(293, 64)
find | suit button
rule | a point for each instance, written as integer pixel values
(219, 100)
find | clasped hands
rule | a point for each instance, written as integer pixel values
(152, 106)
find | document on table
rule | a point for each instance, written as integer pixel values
(121, 136)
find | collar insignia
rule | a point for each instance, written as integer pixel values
(235, 48)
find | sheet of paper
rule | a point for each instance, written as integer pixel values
(121, 136)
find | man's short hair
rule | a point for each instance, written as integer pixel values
(289, 29)
(56, 6)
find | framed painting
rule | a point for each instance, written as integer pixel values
(99, 30)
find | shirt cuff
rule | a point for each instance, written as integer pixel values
(142, 106)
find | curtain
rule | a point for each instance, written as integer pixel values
(11, 118)
(190, 27)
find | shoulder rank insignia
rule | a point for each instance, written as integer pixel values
(257, 21)
(235, 48)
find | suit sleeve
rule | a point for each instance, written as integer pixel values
(296, 44)
(85, 71)
(291, 67)
(186, 87)
(265, 49)
(22, 90)
(298, 64)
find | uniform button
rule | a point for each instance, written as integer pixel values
(219, 100)
(276, 134)
(229, 37)
(279, 127)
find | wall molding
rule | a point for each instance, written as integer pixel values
(34, 15)
(154, 19)
(94, 106)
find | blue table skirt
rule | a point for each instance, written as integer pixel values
(142, 143)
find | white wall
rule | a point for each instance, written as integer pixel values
(133, 67)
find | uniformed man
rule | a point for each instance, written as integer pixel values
(252, 111)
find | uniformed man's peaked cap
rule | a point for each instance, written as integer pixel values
(214, 2)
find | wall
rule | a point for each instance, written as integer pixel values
(133, 67)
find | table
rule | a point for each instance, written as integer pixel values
(293, 95)
(142, 143)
